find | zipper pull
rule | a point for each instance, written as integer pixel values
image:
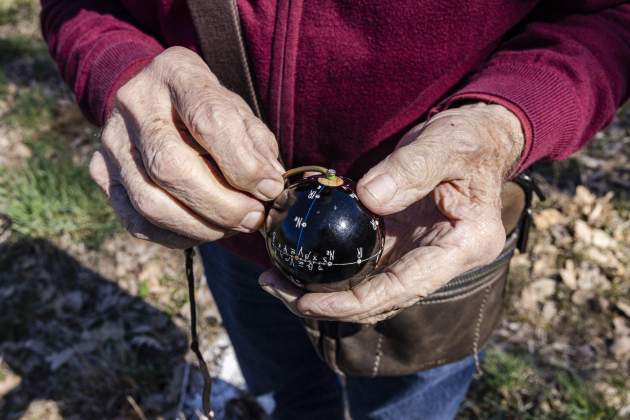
(523, 235)
(530, 187)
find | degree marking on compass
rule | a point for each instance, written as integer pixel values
(303, 225)
(291, 259)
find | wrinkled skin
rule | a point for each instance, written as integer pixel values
(440, 194)
(184, 160)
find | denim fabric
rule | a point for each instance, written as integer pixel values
(277, 359)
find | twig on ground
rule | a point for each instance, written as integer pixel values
(136, 407)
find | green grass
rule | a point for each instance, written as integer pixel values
(513, 386)
(144, 290)
(48, 195)
(3, 84)
(12, 11)
(48, 198)
(14, 47)
(32, 108)
(26, 61)
(178, 295)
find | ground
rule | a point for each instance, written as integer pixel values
(93, 323)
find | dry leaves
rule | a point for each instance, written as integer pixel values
(572, 288)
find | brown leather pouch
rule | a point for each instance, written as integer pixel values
(450, 324)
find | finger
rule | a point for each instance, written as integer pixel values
(99, 172)
(276, 285)
(264, 141)
(241, 145)
(404, 177)
(193, 180)
(411, 278)
(148, 199)
(378, 294)
(140, 227)
(137, 225)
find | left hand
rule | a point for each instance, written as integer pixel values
(440, 194)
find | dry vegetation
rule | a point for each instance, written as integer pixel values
(93, 324)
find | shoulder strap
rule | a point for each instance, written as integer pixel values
(219, 31)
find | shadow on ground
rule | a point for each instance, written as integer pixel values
(68, 332)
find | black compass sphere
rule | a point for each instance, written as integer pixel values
(319, 235)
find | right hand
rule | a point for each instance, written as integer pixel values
(184, 160)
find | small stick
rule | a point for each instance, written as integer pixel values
(136, 407)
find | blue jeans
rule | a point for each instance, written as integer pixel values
(277, 359)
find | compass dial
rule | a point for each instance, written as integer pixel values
(319, 235)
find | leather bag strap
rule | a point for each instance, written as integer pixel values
(218, 29)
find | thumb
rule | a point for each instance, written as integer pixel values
(276, 285)
(403, 178)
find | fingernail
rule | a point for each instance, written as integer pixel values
(270, 188)
(253, 220)
(382, 188)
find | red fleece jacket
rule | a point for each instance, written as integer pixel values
(340, 81)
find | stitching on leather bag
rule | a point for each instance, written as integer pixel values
(476, 337)
(328, 352)
(462, 296)
(431, 363)
(377, 355)
(506, 254)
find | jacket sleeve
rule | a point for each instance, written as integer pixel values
(97, 49)
(564, 73)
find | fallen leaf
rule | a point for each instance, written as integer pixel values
(583, 232)
(42, 409)
(624, 307)
(57, 360)
(621, 348)
(583, 196)
(148, 342)
(536, 292)
(568, 276)
(9, 382)
(581, 296)
(547, 218)
(602, 240)
(621, 326)
(549, 311)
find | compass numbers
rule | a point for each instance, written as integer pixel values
(300, 258)
(311, 260)
(374, 224)
(313, 194)
(353, 195)
(298, 222)
(359, 254)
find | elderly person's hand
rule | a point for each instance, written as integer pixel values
(184, 160)
(440, 194)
